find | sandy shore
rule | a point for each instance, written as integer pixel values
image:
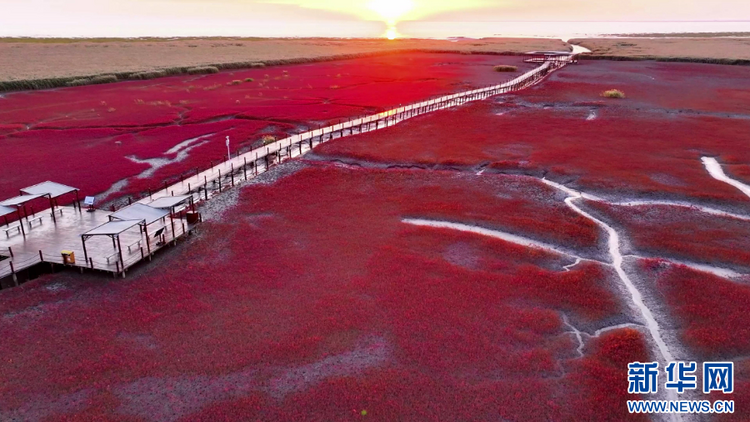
(699, 48)
(36, 59)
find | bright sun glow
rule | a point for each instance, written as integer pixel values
(391, 10)
(391, 33)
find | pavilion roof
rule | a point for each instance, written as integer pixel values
(52, 189)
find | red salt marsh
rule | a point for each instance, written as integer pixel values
(58, 134)
(688, 87)
(681, 232)
(311, 299)
(710, 315)
(610, 146)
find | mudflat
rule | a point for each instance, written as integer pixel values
(687, 47)
(32, 59)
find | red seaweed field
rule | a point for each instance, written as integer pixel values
(310, 299)
(60, 134)
(710, 315)
(458, 266)
(640, 145)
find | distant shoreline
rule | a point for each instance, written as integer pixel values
(53, 39)
(45, 63)
(681, 35)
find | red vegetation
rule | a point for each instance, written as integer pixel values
(75, 157)
(741, 395)
(599, 383)
(682, 233)
(649, 85)
(307, 270)
(712, 310)
(624, 149)
(712, 319)
(72, 132)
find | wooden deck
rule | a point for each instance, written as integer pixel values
(46, 239)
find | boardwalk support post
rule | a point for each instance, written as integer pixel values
(13, 273)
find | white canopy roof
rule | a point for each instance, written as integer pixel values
(48, 188)
(168, 202)
(6, 210)
(19, 200)
(140, 212)
(112, 228)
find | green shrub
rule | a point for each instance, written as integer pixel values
(613, 93)
(202, 70)
(151, 74)
(103, 79)
(268, 139)
(79, 82)
(505, 68)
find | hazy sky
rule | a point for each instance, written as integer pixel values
(326, 17)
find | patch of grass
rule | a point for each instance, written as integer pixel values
(149, 74)
(100, 79)
(79, 82)
(268, 139)
(235, 82)
(505, 68)
(613, 93)
(249, 79)
(104, 79)
(202, 70)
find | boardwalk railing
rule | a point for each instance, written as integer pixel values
(10, 267)
(202, 185)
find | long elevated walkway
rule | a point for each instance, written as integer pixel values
(62, 230)
(206, 183)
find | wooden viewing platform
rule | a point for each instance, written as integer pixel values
(46, 238)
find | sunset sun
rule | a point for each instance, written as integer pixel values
(391, 10)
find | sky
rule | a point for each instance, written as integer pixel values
(360, 18)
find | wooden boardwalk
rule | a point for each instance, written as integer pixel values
(45, 240)
(203, 184)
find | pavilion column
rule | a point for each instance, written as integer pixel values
(52, 207)
(171, 220)
(119, 251)
(85, 252)
(20, 221)
(148, 242)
